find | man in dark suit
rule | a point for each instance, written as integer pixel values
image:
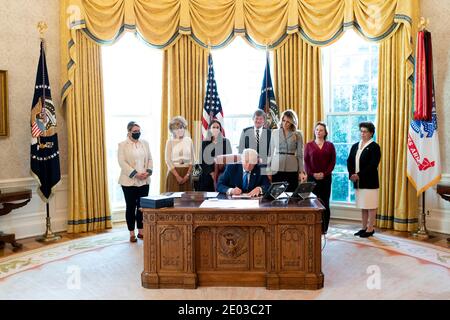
(256, 137)
(244, 178)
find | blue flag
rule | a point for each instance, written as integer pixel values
(44, 154)
(267, 101)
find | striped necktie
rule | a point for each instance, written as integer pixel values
(257, 140)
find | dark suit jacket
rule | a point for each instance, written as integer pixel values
(248, 140)
(368, 165)
(233, 175)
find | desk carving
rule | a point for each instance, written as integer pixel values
(277, 248)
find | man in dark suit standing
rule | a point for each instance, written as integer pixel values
(256, 137)
(244, 177)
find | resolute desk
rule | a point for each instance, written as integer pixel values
(277, 246)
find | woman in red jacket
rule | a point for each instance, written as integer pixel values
(320, 158)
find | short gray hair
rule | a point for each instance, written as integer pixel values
(251, 155)
(259, 113)
(132, 124)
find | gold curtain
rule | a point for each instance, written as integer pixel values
(294, 27)
(184, 82)
(88, 188)
(161, 22)
(297, 66)
(398, 200)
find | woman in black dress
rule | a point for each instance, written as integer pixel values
(214, 145)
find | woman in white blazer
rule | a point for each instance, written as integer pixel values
(136, 166)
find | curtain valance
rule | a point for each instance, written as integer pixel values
(263, 22)
(215, 23)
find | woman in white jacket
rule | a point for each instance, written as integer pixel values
(136, 165)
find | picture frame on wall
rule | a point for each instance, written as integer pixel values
(3, 103)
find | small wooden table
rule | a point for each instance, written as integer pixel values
(8, 202)
(444, 191)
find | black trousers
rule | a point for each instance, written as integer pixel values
(290, 177)
(323, 191)
(132, 199)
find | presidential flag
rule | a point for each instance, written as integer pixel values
(44, 154)
(423, 159)
(267, 101)
(212, 108)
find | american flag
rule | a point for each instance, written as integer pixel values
(212, 108)
(35, 131)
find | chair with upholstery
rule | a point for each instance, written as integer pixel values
(220, 162)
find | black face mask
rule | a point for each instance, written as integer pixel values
(136, 135)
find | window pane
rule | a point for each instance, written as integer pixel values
(360, 96)
(339, 189)
(350, 81)
(132, 75)
(374, 65)
(374, 97)
(341, 98)
(338, 126)
(342, 63)
(341, 157)
(352, 191)
(234, 127)
(239, 71)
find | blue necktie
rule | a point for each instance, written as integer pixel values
(245, 181)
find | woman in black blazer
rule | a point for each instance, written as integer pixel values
(214, 145)
(362, 165)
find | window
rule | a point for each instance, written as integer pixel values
(239, 70)
(350, 84)
(132, 74)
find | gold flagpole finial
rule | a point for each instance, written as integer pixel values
(209, 46)
(423, 23)
(42, 27)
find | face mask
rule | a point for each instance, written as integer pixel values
(180, 132)
(136, 135)
(215, 131)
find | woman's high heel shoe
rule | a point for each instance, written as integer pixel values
(360, 232)
(367, 234)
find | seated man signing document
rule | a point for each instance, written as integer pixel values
(245, 178)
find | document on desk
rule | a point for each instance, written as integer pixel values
(212, 194)
(230, 204)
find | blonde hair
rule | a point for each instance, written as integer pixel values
(177, 123)
(292, 116)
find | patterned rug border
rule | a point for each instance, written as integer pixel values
(420, 250)
(38, 257)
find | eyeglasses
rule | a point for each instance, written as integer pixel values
(364, 131)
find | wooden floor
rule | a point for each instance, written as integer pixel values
(438, 239)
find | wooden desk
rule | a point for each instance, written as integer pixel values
(7, 204)
(277, 246)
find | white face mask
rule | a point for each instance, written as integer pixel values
(179, 133)
(215, 131)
